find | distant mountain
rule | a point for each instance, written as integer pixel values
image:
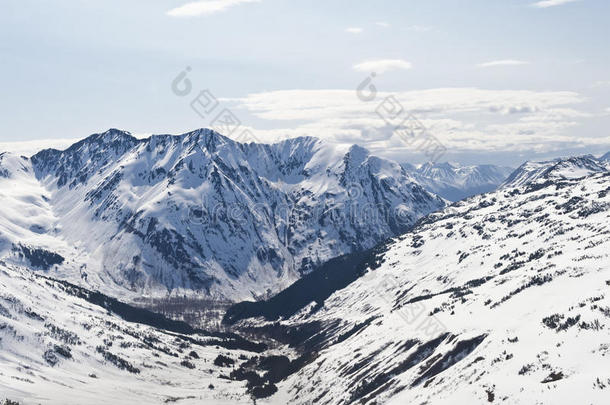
(606, 157)
(199, 212)
(561, 168)
(455, 182)
(503, 297)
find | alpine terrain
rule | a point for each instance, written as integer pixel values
(199, 213)
(501, 298)
(389, 203)
(455, 182)
(498, 298)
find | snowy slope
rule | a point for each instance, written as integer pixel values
(573, 167)
(28, 224)
(199, 213)
(500, 298)
(57, 347)
(455, 182)
(605, 160)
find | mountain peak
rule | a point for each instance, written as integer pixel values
(455, 182)
(438, 171)
(190, 211)
(205, 133)
(112, 135)
(560, 168)
(357, 154)
(111, 139)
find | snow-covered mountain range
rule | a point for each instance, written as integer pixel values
(63, 344)
(500, 298)
(572, 167)
(455, 182)
(199, 213)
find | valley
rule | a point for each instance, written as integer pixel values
(502, 296)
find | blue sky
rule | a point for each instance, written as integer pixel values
(495, 81)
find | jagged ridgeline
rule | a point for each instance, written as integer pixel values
(202, 214)
(503, 297)
(500, 297)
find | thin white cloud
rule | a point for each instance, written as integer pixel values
(205, 7)
(317, 104)
(505, 62)
(601, 83)
(551, 3)
(382, 65)
(29, 148)
(354, 30)
(382, 24)
(464, 119)
(419, 28)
